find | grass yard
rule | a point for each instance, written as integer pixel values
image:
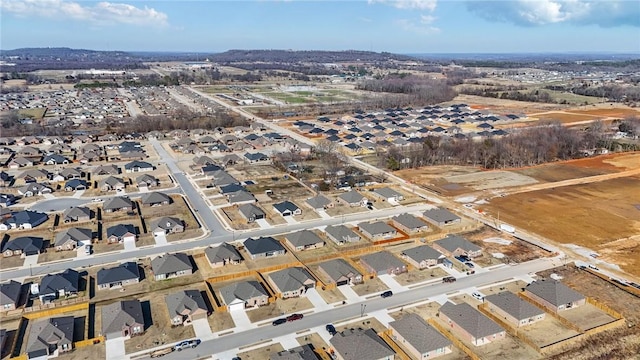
(370, 286)
(11, 262)
(53, 255)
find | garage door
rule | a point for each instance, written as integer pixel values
(236, 306)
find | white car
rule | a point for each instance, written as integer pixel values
(97, 200)
(477, 295)
(88, 249)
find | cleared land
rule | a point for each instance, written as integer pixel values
(595, 215)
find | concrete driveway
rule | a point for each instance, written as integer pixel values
(115, 348)
(202, 329)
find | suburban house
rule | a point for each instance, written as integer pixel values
(256, 158)
(244, 294)
(71, 238)
(287, 208)
(263, 247)
(34, 189)
(155, 199)
(32, 175)
(19, 161)
(55, 159)
(319, 202)
(106, 170)
(352, 198)
(51, 336)
(341, 234)
(111, 183)
(513, 309)
(359, 344)
(77, 214)
(118, 203)
(304, 240)
(304, 352)
(138, 166)
(71, 173)
(291, 282)
(454, 245)
(409, 223)
(469, 324)
(441, 217)
(7, 200)
(121, 233)
(241, 197)
(554, 295)
(166, 225)
(146, 180)
(422, 257)
(28, 245)
(25, 219)
(382, 263)
(388, 194)
(377, 230)
(10, 294)
(171, 265)
(340, 272)
(185, 306)
(122, 319)
(116, 277)
(75, 185)
(59, 286)
(420, 339)
(222, 255)
(251, 212)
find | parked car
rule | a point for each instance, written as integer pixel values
(477, 295)
(448, 279)
(387, 294)
(97, 200)
(331, 329)
(469, 264)
(187, 344)
(294, 317)
(88, 249)
(279, 321)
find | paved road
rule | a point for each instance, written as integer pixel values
(215, 237)
(244, 338)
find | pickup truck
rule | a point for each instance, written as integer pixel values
(448, 279)
(161, 352)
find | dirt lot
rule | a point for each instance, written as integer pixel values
(366, 323)
(621, 343)
(505, 106)
(12, 261)
(315, 340)
(91, 352)
(573, 169)
(331, 296)
(237, 220)
(491, 180)
(418, 276)
(370, 286)
(587, 316)
(261, 353)
(490, 241)
(594, 215)
(279, 308)
(220, 321)
(547, 331)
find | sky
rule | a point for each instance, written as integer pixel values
(398, 26)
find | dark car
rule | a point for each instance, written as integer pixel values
(279, 321)
(448, 279)
(331, 329)
(469, 264)
(294, 317)
(387, 294)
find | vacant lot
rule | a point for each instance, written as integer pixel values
(495, 242)
(491, 180)
(592, 215)
(573, 169)
(261, 353)
(587, 316)
(547, 331)
(281, 307)
(370, 286)
(418, 276)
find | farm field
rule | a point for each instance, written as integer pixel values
(602, 216)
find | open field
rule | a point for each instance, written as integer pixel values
(599, 216)
(505, 106)
(495, 242)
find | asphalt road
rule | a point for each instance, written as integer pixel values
(244, 338)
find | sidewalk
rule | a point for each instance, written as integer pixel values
(348, 292)
(391, 283)
(318, 302)
(202, 329)
(263, 224)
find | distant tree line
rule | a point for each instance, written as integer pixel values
(421, 89)
(540, 96)
(532, 146)
(613, 93)
(186, 121)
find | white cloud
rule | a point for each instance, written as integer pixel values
(542, 12)
(429, 5)
(103, 13)
(424, 26)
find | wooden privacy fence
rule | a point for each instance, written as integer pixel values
(484, 309)
(56, 311)
(87, 342)
(400, 353)
(459, 344)
(563, 321)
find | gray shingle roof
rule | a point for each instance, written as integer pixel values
(318, 201)
(262, 245)
(170, 263)
(341, 232)
(422, 252)
(76, 212)
(554, 292)
(250, 210)
(381, 261)
(10, 292)
(67, 280)
(351, 197)
(243, 290)
(27, 244)
(338, 268)
(514, 305)
(419, 333)
(74, 234)
(453, 242)
(241, 196)
(387, 192)
(291, 279)
(185, 302)
(376, 228)
(304, 238)
(285, 205)
(223, 251)
(409, 221)
(358, 344)
(441, 215)
(120, 230)
(117, 202)
(470, 319)
(165, 223)
(44, 332)
(120, 314)
(126, 271)
(155, 198)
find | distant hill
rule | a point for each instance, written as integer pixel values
(313, 56)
